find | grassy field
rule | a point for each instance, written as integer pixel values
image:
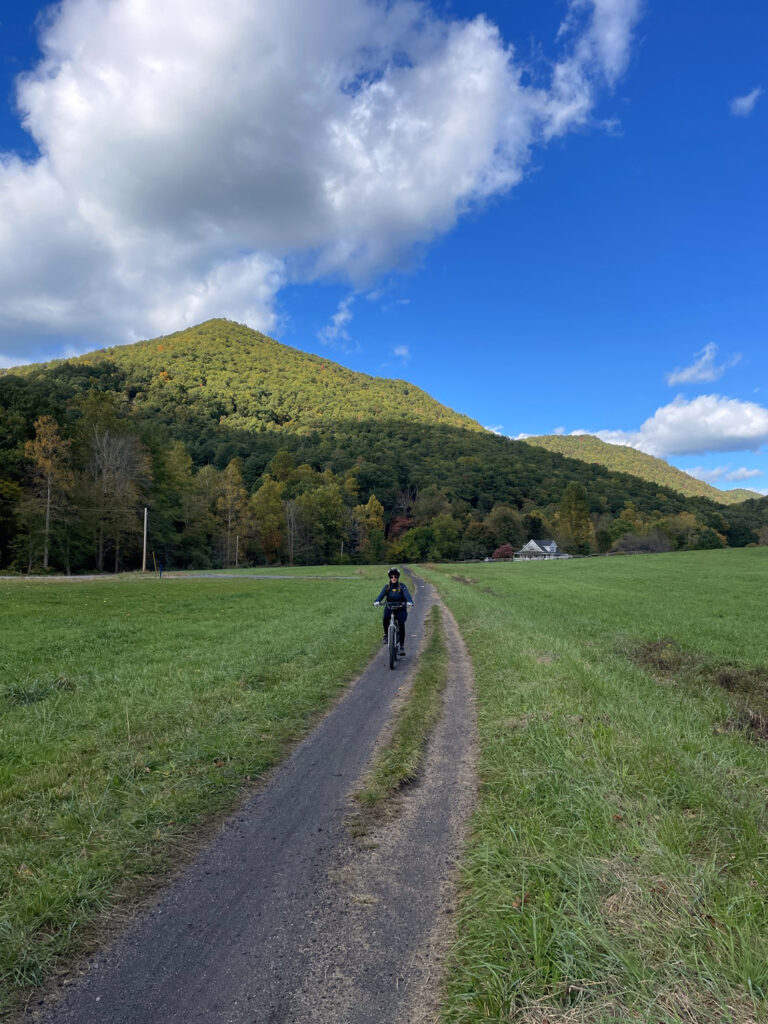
(130, 711)
(619, 863)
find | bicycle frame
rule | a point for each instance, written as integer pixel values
(392, 632)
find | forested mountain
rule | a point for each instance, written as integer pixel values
(588, 448)
(245, 450)
(226, 373)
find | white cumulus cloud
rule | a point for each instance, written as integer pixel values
(709, 476)
(742, 106)
(742, 473)
(196, 157)
(336, 330)
(402, 352)
(703, 367)
(719, 473)
(708, 423)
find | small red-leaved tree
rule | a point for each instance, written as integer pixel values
(505, 551)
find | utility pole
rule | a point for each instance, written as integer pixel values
(144, 555)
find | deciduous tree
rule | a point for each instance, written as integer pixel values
(574, 525)
(120, 472)
(269, 518)
(232, 510)
(49, 455)
(368, 523)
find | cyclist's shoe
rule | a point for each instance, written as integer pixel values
(384, 638)
(402, 652)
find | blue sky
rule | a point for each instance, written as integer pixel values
(550, 215)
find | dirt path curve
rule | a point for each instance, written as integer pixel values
(285, 918)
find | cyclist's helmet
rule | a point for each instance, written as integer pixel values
(394, 571)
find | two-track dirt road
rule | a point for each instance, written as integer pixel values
(285, 917)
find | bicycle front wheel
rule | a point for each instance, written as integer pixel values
(392, 638)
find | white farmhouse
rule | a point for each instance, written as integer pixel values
(540, 549)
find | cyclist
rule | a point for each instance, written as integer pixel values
(395, 593)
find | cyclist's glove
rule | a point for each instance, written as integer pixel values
(376, 604)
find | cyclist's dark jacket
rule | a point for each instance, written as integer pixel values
(395, 596)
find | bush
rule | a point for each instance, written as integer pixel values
(633, 543)
(709, 539)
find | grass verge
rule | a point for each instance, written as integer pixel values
(398, 762)
(618, 868)
(132, 711)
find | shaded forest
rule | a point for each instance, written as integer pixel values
(245, 451)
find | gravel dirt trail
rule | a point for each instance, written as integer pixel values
(285, 918)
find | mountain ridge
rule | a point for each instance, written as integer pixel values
(623, 459)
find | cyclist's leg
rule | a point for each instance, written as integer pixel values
(402, 615)
(387, 617)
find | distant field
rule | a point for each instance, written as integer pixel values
(619, 864)
(131, 709)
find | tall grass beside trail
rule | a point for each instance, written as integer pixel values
(618, 868)
(132, 710)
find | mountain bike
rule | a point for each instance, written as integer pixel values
(393, 642)
(392, 633)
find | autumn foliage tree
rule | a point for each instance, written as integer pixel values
(369, 528)
(51, 473)
(505, 552)
(575, 532)
(269, 517)
(120, 474)
(232, 509)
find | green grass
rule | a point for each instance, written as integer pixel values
(619, 863)
(132, 710)
(398, 762)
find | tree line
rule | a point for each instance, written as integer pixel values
(246, 452)
(79, 506)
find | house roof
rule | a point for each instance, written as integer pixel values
(540, 545)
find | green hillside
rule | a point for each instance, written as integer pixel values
(623, 459)
(246, 450)
(247, 381)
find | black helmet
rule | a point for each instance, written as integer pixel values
(394, 571)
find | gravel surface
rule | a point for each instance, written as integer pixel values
(284, 918)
